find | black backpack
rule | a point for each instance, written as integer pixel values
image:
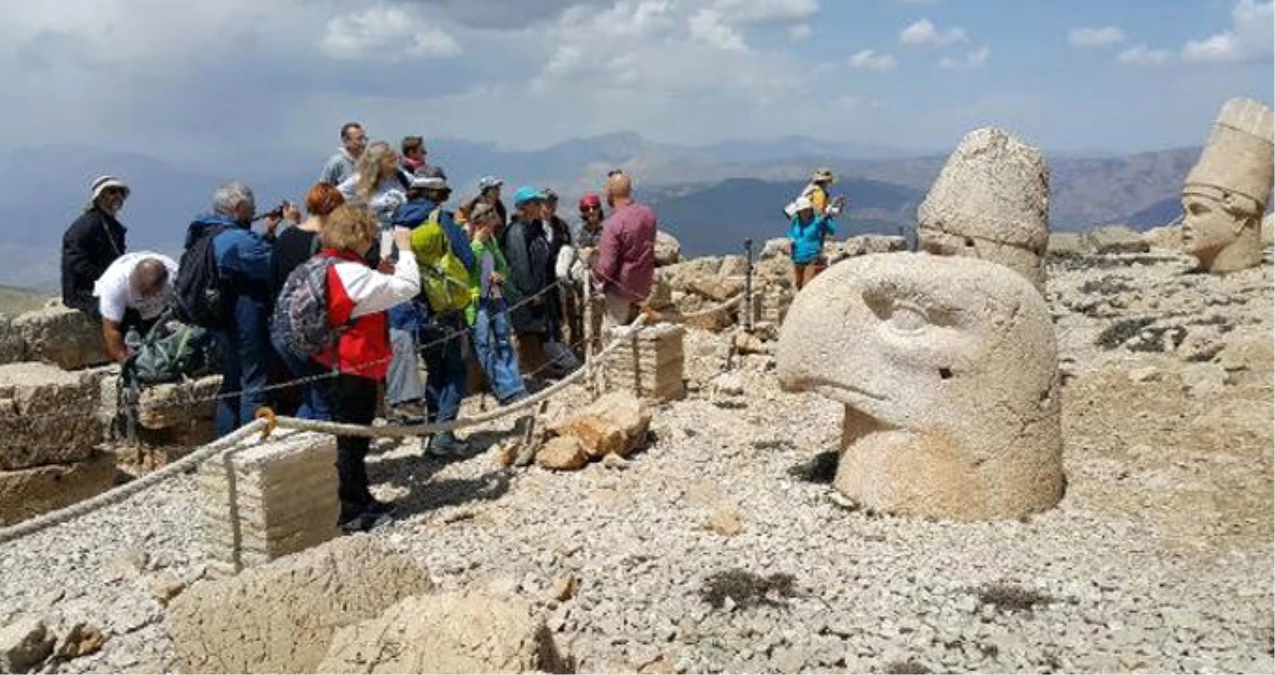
(201, 297)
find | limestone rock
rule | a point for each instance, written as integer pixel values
(717, 288)
(1068, 243)
(874, 243)
(661, 295)
(565, 586)
(38, 424)
(62, 336)
(24, 644)
(990, 201)
(733, 266)
(1116, 239)
(615, 423)
(1255, 354)
(166, 587)
(1165, 237)
(1268, 230)
(776, 248)
(11, 347)
(30, 492)
(725, 523)
(83, 639)
(949, 374)
(680, 276)
(668, 250)
(448, 633)
(280, 618)
(1203, 379)
(269, 499)
(562, 453)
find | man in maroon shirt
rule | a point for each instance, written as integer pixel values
(626, 261)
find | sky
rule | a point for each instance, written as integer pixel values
(200, 79)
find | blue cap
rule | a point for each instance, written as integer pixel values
(526, 194)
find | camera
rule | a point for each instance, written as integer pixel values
(275, 213)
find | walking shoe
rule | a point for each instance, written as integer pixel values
(365, 522)
(409, 413)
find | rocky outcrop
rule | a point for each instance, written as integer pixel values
(1115, 239)
(448, 633)
(61, 336)
(668, 250)
(281, 617)
(873, 243)
(11, 347)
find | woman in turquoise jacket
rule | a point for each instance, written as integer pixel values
(807, 232)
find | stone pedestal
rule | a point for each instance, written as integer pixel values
(266, 500)
(29, 492)
(46, 416)
(651, 366)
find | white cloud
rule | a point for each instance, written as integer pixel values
(971, 61)
(1251, 37)
(709, 27)
(766, 11)
(1095, 37)
(1141, 55)
(868, 59)
(799, 32)
(386, 33)
(923, 33)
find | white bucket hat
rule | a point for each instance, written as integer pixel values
(104, 182)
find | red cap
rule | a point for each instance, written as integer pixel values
(590, 200)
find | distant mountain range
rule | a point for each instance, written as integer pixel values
(711, 197)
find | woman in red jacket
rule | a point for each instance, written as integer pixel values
(358, 297)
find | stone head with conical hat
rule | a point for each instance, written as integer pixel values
(1226, 193)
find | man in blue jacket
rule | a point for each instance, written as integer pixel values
(243, 263)
(444, 358)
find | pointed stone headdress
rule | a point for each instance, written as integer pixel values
(1238, 161)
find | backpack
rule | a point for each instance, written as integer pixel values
(201, 296)
(444, 279)
(171, 351)
(300, 320)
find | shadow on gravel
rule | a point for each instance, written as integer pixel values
(820, 469)
(908, 667)
(1008, 597)
(431, 495)
(745, 589)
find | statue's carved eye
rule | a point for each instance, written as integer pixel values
(905, 318)
(1198, 208)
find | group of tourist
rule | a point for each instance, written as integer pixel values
(403, 276)
(812, 219)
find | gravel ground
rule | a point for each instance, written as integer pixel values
(1159, 559)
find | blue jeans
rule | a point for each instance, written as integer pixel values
(495, 352)
(313, 404)
(445, 363)
(243, 353)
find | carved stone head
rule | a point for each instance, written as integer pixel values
(948, 371)
(990, 201)
(1226, 193)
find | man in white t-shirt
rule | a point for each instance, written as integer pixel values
(131, 294)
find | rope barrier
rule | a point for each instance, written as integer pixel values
(119, 494)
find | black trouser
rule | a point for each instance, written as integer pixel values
(353, 401)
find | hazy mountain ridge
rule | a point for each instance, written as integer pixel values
(727, 190)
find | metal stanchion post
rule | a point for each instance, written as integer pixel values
(748, 287)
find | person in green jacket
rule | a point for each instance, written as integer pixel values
(488, 312)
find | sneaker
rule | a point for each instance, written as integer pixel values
(365, 522)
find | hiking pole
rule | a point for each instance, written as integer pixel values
(748, 286)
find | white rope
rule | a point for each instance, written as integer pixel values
(119, 494)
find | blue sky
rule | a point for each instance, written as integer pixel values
(231, 78)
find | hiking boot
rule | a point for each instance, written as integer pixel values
(447, 446)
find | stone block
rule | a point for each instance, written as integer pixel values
(280, 618)
(1068, 243)
(651, 366)
(1116, 239)
(29, 492)
(267, 499)
(47, 416)
(874, 243)
(11, 346)
(61, 336)
(668, 250)
(448, 633)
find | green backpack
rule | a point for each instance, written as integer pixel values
(444, 279)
